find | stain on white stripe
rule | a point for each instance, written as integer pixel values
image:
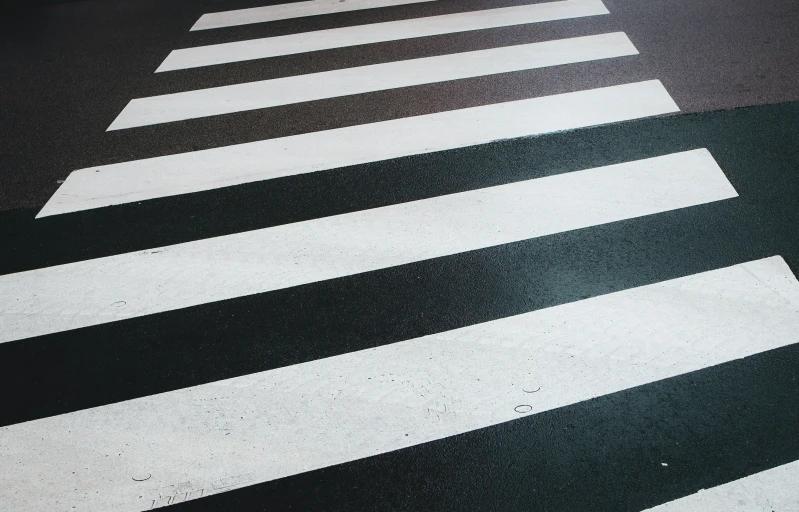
(291, 10)
(141, 283)
(378, 77)
(773, 490)
(282, 422)
(378, 32)
(196, 171)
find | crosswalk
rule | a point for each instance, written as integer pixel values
(418, 390)
(288, 11)
(152, 281)
(769, 490)
(274, 158)
(378, 32)
(377, 77)
(184, 437)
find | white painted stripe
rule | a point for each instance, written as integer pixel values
(378, 77)
(773, 490)
(330, 411)
(378, 32)
(184, 173)
(291, 10)
(141, 283)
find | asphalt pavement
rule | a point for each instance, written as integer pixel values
(366, 322)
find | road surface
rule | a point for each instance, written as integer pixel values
(400, 255)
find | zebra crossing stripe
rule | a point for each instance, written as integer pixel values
(140, 283)
(378, 32)
(770, 490)
(290, 10)
(196, 171)
(378, 77)
(291, 420)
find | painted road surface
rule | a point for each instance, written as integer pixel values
(338, 409)
(287, 11)
(274, 158)
(92, 292)
(400, 255)
(359, 80)
(769, 490)
(378, 32)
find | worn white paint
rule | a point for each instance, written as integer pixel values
(378, 77)
(277, 423)
(378, 32)
(290, 10)
(774, 490)
(196, 171)
(141, 283)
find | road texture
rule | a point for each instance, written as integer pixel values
(452, 327)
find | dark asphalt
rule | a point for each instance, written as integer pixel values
(67, 70)
(733, 66)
